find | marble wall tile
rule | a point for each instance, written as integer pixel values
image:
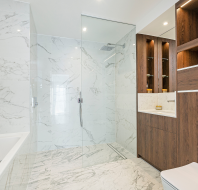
(15, 6)
(162, 100)
(14, 66)
(59, 82)
(18, 74)
(126, 132)
(148, 101)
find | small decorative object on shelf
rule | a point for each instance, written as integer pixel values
(158, 107)
(164, 76)
(148, 75)
(164, 90)
(149, 90)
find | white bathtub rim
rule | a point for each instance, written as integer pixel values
(13, 152)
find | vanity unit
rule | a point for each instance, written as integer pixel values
(156, 70)
(168, 142)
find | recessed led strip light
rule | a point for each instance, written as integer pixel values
(186, 3)
(110, 57)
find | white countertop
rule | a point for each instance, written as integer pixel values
(167, 113)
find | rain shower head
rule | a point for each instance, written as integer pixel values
(110, 46)
(107, 48)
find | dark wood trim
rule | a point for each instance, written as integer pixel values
(188, 45)
(180, 3)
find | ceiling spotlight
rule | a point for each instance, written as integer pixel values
(84, 29)
(18, 30)
(185, 3)
(134, 44)
(76, 47)
(165, 23)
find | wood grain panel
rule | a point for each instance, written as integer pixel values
(187, 128)
(156, 144)
(188, 79)
(187, 29)
(186, 59)
(172, 64)
(141, 135)
(192, 45)
(141, 41)
(141, 63)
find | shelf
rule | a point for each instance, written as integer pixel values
(192, 46)
(190, 67)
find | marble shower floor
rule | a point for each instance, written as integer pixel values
(98, 168)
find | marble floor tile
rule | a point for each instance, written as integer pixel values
(84, 169)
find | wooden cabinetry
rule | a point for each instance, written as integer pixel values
(157, 140)
(147, 59)
(187, 101)
(187, 33)
(156, 68)
(187, 128)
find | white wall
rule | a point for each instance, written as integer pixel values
(155, 12)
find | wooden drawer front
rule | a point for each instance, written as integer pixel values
(188, 79)
(163, 123)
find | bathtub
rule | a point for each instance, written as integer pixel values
(10, 145)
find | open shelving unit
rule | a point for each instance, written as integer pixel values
(187, 33)
(165, 65)
(150, 64)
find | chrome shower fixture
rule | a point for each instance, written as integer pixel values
(109, 44)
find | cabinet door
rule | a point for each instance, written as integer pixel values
(141, 140)
(164, 149)
(187, 128)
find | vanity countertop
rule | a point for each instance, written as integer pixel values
(167, 113)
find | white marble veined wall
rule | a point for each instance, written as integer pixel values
(126, 130)
(59, 80)
(148, 101)
(98, 90)
(14, 66)
(59, 84)
(17, 39)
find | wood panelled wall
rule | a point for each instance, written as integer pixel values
(142, 60)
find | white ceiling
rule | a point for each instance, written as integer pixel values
(156, 28)
(63, 17)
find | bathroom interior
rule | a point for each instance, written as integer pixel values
(95, 98)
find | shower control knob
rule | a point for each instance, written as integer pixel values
(80, 100)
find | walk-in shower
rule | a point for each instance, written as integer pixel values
(108, 88)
